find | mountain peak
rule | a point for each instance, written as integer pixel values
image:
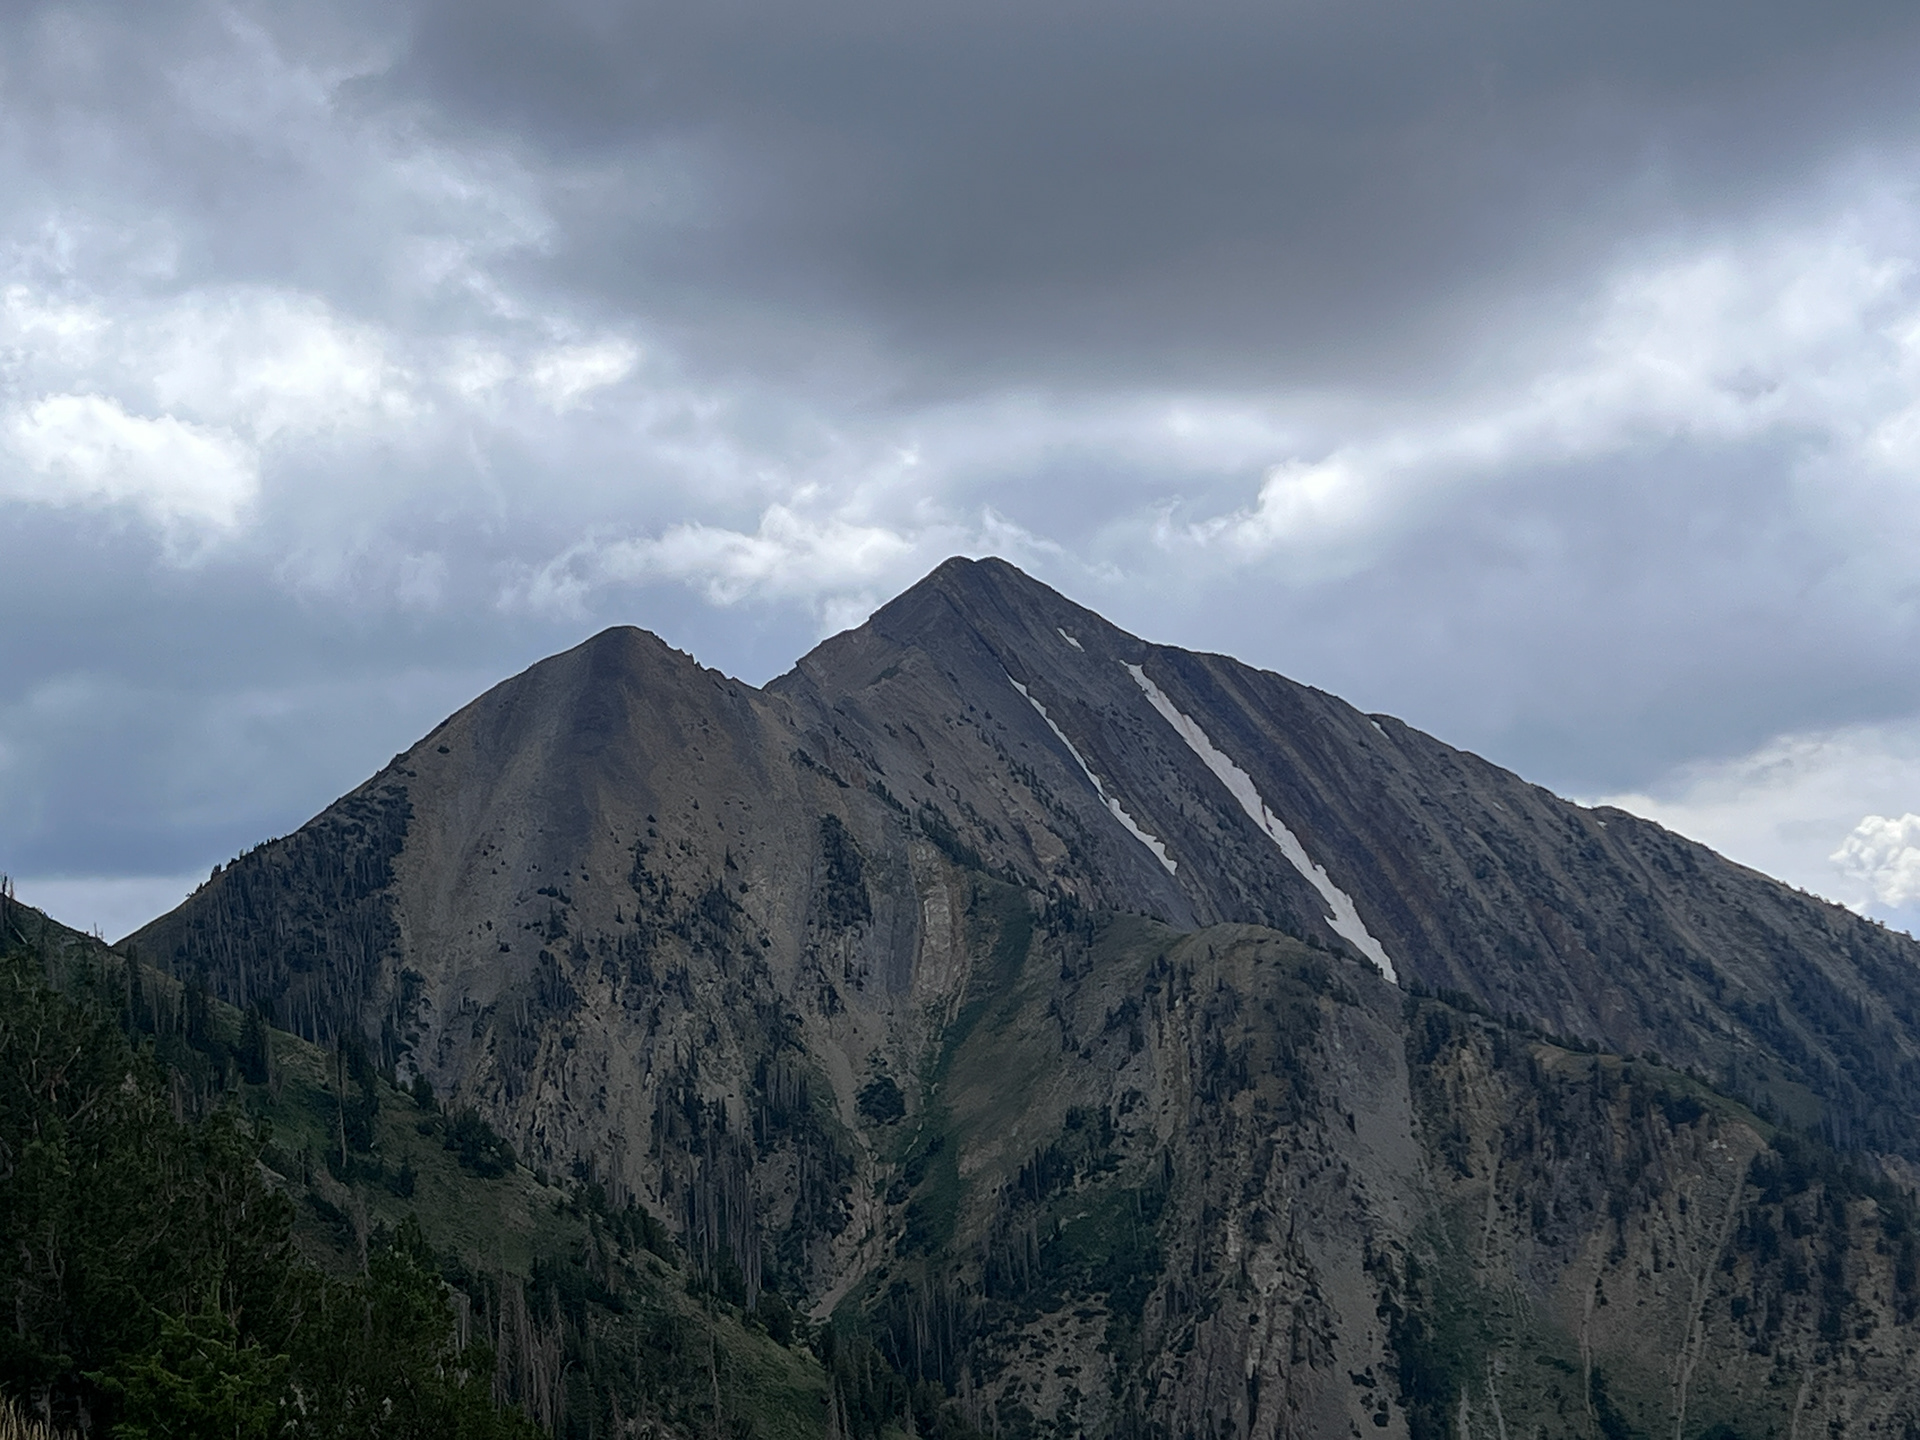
(987, 586)
(987, 616)
(1085, 912)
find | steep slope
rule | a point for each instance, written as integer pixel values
(1588, 923)
(1225, 1183)
(1020, 732)
(819, 973)
(618, 905)
(161, 1147)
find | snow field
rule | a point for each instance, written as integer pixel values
(1133, 829)
(1343, 917)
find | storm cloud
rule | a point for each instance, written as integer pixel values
(1543, 374)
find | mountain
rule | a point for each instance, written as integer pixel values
(1128, 1039)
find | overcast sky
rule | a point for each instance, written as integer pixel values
(1546, 374)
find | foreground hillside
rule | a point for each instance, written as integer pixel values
(1268, 1194)
(1057, 1010)
(217, 1229)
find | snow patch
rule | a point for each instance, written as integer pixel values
(1133, 829)
(1070, 640)
(1344, 919)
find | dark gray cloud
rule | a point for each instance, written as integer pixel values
(1221, 193)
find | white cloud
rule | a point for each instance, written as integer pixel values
(1884, 855)
(64, 330)
(788, 555)
(202, 408)
(85, 450)
(381, 361)
(475, 370)
(1305, 503)
(260, 360)
(1784, 807)
(1808, 334)
(841, 564)
(564, 376)
(175, 408)
(421, 581)
(270, 362)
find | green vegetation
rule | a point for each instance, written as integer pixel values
(225, 1223)
(155, 1286)
(473, 1143)
(224, 1230)
(935, 825)
(238, 1233)
(1440, 1330)
(880, 1100)
(300, 923)
(1063, 1230)
(1814, 1253)
(844, 902)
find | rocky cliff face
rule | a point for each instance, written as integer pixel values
(1053, 1000)
(1224, 1183)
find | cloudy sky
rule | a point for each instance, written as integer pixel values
(1545, 374)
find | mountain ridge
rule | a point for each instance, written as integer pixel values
(738, 949)
(1479, 881)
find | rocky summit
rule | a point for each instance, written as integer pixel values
(1130, 1041)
